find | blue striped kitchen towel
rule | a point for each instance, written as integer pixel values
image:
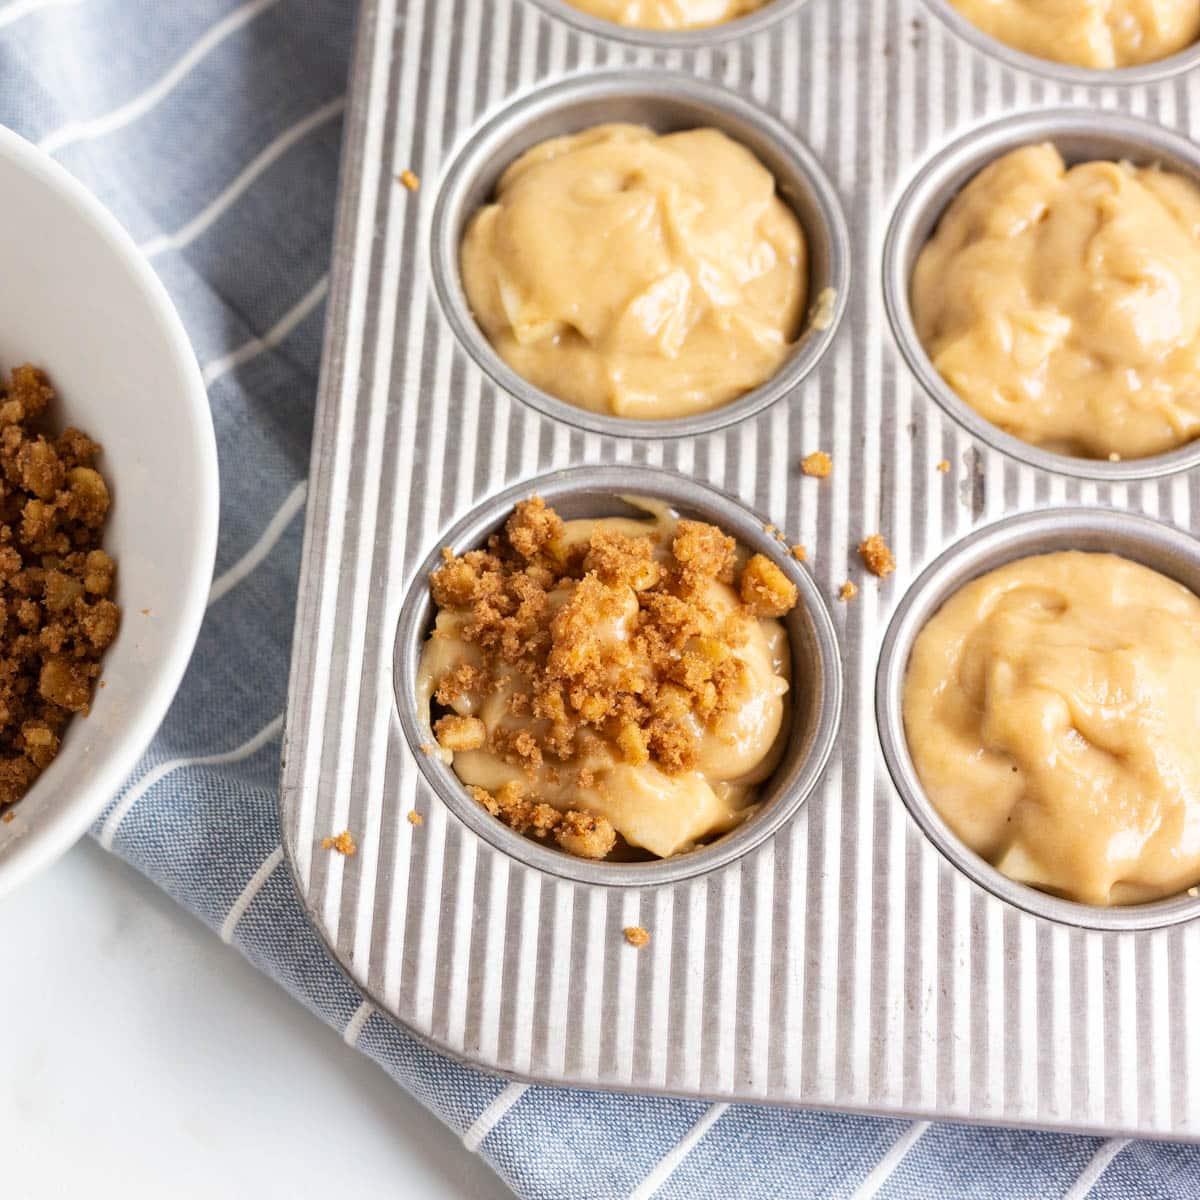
(211, 128)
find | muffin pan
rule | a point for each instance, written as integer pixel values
(662, 39)
(838, 950)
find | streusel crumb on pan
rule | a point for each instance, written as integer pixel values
(876, 555)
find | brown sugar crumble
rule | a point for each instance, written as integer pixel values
(9, 815)
(460, 733)
(415, 818)
(876, 555)
(765, 589)
(56, 615)
(944, 466)
(410, 180)
(578, 833)
(531, 607)
(818, 464)
(848, 591)
(343, 843)
(800, 553)
(636, 936)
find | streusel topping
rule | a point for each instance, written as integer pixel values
(591, 676)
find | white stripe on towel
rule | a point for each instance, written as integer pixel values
(26, 8)
(266, 543)
(493, 1115)
(1098, 1165)
(131, 110)
(269, 340)
(283, 143)
(890, 1161)
(252, 888)
(109, 830)
(356, 1024)
(666, 1165)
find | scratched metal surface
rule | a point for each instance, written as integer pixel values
(845, 962)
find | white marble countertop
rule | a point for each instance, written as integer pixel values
(142, 1057)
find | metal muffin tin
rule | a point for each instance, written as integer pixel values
(816, 669)
(850, 958)
(664, 102)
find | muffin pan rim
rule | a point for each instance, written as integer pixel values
(922, 203)
(1067, 73)
(669, 39)
(478, 153)
(1007, 540)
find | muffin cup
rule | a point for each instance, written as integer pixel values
(816, 694)
(665, 39)
(1159, 546)
(665, 102)
(1080, 135)
(1152, 72)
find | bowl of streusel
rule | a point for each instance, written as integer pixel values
(108, 507)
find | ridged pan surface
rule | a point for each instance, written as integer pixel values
(844, 961)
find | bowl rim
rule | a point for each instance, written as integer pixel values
(66, 821)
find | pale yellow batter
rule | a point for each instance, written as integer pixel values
(668, 14)
(1064, 304)
(652, 809)
(1052, 708)
(1089, 33)
(638, 275)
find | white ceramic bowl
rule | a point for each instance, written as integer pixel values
(79, 300)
